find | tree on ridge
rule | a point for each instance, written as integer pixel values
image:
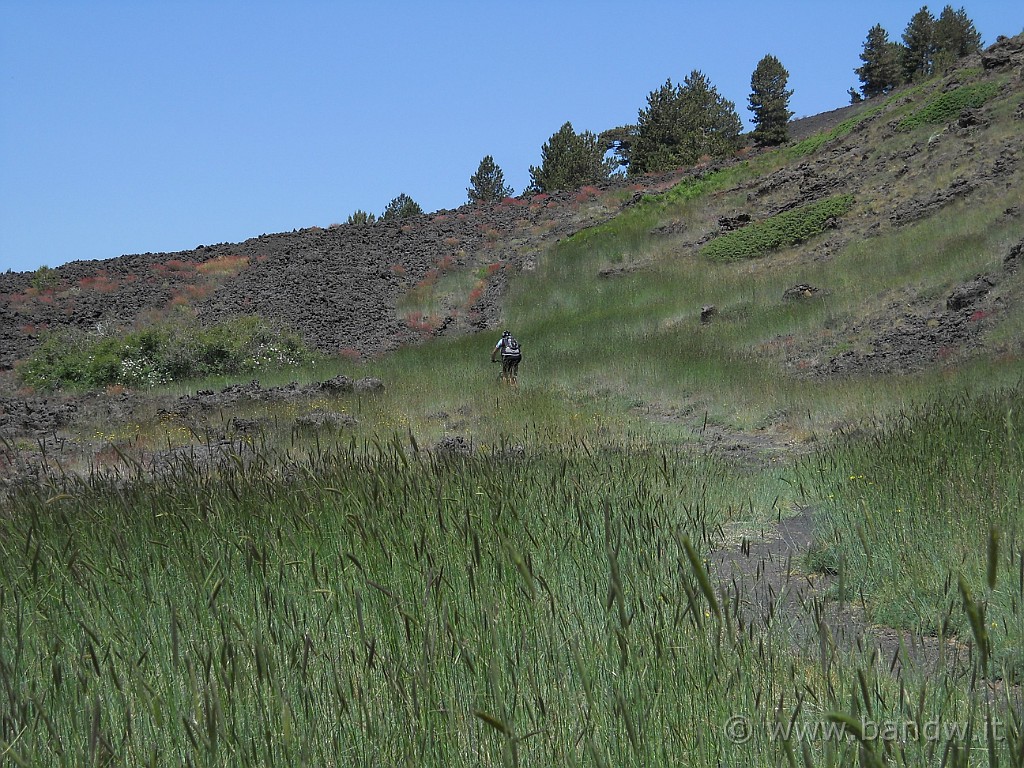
(769, 102)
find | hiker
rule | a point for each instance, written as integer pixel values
(511, 356)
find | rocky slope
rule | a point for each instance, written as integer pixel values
(339, 287)
(352, 289)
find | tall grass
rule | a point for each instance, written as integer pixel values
(373, 604)
(376, 605)
(927, 503)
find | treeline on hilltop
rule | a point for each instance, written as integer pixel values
(929, 45)
(685, 122)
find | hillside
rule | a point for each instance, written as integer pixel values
(341, 287)
(757, 490)
(905, 161)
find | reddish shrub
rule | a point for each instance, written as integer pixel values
(476, 294)
(422, 324)
(223, 266)
(101, 282)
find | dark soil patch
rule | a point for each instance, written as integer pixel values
(764, 576)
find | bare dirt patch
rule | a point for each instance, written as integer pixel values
(765, 575)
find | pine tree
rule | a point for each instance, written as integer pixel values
(919, 46)
(488, 183)
(658, 132)
(955, 37)
(769, 102)
(880, 72)
(361, 217)
(683, 123)
(711, 125)
(402, 207)
(619, 141)
(569, 160)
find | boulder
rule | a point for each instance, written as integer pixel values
(799, 291)
(966, 295)
(369, 386)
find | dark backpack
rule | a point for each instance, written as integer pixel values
(511, 347)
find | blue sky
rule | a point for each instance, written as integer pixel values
(136, 126)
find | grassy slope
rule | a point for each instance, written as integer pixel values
(370, 605)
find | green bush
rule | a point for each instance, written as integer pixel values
(947, 106)
(784, 229)
(161, 354)
(44, 278)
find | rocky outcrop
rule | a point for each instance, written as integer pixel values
(1005, 52)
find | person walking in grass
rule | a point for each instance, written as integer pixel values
(511, 355)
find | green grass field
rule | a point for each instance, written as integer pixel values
(548, 596)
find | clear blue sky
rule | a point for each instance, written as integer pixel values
(137, 125)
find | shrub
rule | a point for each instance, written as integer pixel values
(947, 106)
(44, 278)
(784, 229)
(161, 354)
(223, 266)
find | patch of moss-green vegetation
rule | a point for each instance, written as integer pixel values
(784, 229)
(946, 106)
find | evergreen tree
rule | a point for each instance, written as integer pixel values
(683, 123)
(955, 37)
(880, 72)
(488, 183)
(361, 217)
(402, 207)
(569, 160)
(919, 46)
(711, 125)
(769, 102)
(658, 132)
(619, 141)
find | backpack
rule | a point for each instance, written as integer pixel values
(511, 347)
